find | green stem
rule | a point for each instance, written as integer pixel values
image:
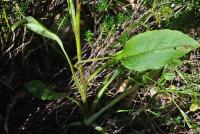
(115, 75)
(6, 19)
(186, 118)
(75, 21)
(79, 55)
(182, 77)
(91, 60)
(77, 31)
(91, 119)
(71, 67)
(94, 74)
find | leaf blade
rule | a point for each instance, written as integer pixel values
(154, 49)
(41, 90)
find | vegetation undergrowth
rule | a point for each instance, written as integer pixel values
(148, 60)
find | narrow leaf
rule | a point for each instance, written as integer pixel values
(38, 28)
(72, 14)
(18, 24)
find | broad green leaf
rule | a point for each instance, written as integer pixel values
(169, 76)
(41, 91)
(155, 49)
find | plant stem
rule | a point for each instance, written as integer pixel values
(71, 67)
(77, 31)
(79, 55)
(91, 119)
(90, 60)
(93, 59)
(185, 117)
(115, 75)
(75, 21)
(94, 74)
